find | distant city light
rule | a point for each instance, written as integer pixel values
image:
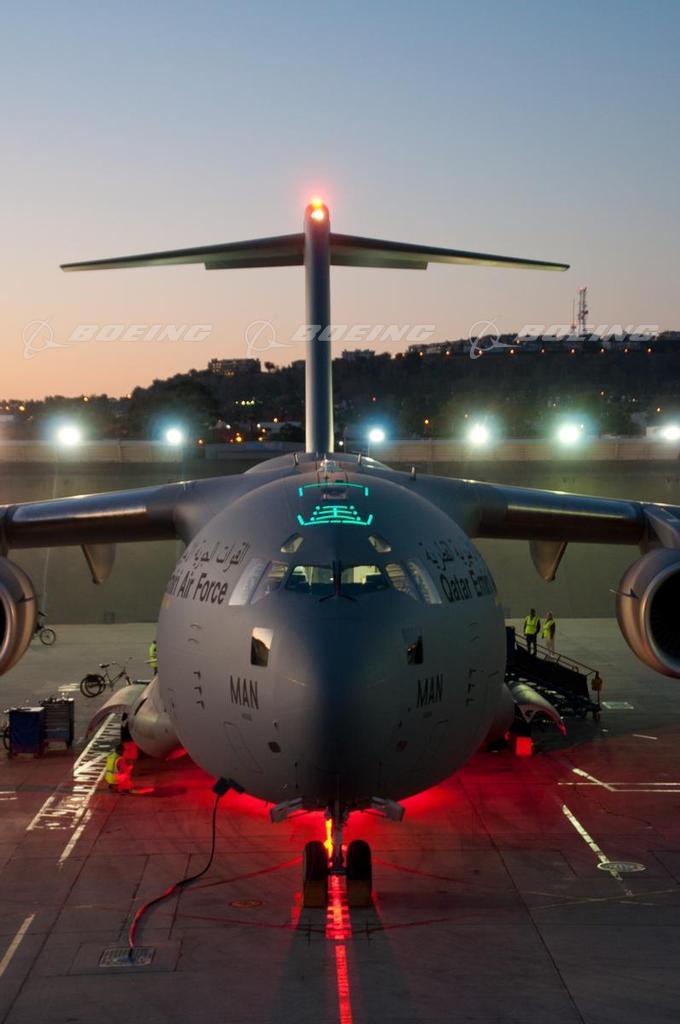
(69, 435)
(479, 435)
(671, 432)
(376, 435)
(569, 433)
(174, 436)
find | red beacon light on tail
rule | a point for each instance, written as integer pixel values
(318, 209)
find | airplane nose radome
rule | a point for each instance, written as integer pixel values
(338, 685)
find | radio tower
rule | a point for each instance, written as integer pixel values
(581, 316)
(582, 311)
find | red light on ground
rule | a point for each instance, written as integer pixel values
(338, 930)
(524, 746)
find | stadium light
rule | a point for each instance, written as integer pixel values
(479, 435)
(174, 436)
(671, 432)
(376, 435)
(69, 435)
(569, 433)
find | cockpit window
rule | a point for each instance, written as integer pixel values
(413, 579)
(248, 580)
(319, 580)
(423, 581)
(258, 579)
(311, 579)
(401, 580)
(379, 543)
(271, 580)
(357, 580)
(291, 545)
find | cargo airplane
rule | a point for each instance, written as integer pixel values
(331, 638)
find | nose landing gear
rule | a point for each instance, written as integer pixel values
(359, 874)
(320, 860)
(314, 875)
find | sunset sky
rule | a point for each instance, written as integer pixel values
(545, 130)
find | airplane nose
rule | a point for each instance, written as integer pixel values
(335, 683)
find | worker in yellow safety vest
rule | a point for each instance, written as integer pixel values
(548, 632)
(153, 655)
(118, 771)
(532, 626)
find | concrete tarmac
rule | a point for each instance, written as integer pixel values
(491, 902)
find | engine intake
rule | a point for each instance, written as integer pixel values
(18, 613)
(648, 610)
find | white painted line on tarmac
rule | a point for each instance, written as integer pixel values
(68, 806)
(643, 736)
(15, 943)
(585, 836)
(68, 849)
(591, 778)
(590, 842)
(623, 787)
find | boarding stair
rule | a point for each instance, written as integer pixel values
(564, 682)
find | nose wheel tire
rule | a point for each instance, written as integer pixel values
(314, 875)
(359, 874)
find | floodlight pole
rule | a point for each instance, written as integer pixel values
(318, 367)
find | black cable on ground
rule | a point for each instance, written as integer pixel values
(219, 789)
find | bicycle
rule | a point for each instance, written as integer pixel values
(45, 634)
(94, 683)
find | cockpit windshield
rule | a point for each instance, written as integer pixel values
(260, 578)
(320, 580)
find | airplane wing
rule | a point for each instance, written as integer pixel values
(97, 522)
(550, 520)
(288, 251)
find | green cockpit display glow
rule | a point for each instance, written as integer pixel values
(334, 510)
(340, 515)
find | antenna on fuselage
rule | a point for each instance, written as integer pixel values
(317, 248)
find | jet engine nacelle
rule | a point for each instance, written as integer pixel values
(648, 610)
(18, 613)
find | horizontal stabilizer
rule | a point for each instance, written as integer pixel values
(354, 251)
(288, 251)
(281, 251)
